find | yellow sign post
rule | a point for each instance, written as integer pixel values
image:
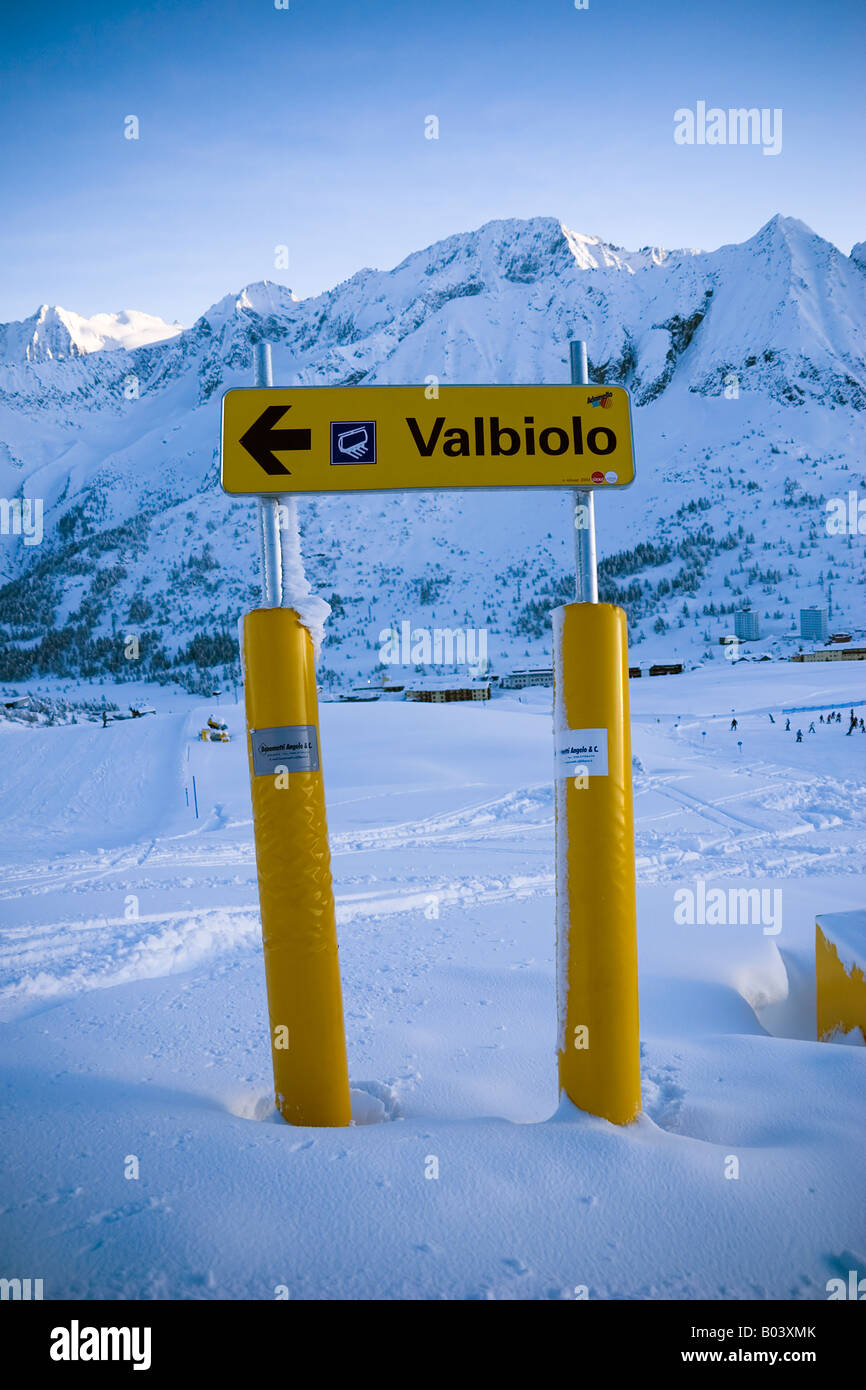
(277, 441)
(296, 898)
(596, 915)
(373, 438)
(597, 990)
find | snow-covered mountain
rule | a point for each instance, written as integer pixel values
(746, 367)
(53, 334)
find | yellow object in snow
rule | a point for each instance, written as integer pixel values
(299, 930)
(840, 950)
(597, 988)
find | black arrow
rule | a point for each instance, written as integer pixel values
(261, 439)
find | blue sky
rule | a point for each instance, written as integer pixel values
(262, 127)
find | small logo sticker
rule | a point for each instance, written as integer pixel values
(294, 747)
(353, 441)
(581, 748)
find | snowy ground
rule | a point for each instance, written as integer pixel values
(134, 1013)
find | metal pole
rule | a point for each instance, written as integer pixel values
(269, 516)
(583, 518)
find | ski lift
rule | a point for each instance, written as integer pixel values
(353, 442)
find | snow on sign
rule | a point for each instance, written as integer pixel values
(375, 438)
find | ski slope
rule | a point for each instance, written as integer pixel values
(133, 1011)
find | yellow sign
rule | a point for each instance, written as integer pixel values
(371, 438)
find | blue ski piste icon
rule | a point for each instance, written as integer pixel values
(353, 441)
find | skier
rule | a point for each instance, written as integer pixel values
(772, 720)
(812, 727)
(821, 720)
(733, 725)
(799, 738)
(104, 720)
(787, 726)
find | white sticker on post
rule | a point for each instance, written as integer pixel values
(291, 746)
(581, 749)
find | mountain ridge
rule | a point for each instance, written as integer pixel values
(745, 361)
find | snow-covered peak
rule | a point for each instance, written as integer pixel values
(591, 253)
(57, 334)
(261, 297)
(128, 328)
(787, 236)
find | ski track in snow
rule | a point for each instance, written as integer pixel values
(755, 828)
